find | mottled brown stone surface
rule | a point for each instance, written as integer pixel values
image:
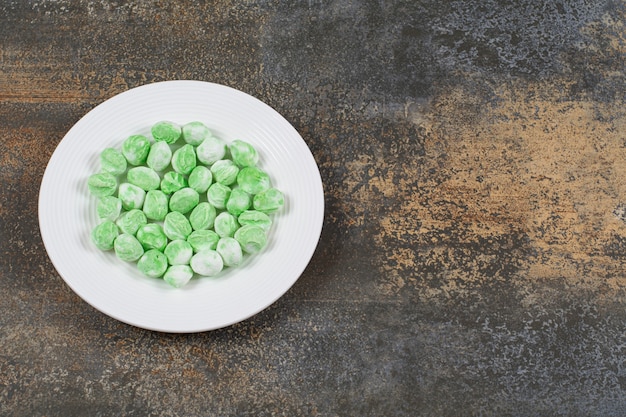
(473, 255)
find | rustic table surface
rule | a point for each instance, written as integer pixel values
(472, 259)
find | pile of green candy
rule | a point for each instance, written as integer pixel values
(182, 203)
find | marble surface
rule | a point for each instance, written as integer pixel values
(472, 258)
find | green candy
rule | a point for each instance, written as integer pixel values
(131, 196)
(238, 202)
(128, 248)
(135, 149)
(253, 180)
(194, 133)
(207, 263)
(218, 195)
(243, 154)
(268, 201)
(165, 131)
(143, 177)
(155, 205)
(184, 200)
(200, 179)
(109, 208)
(151, 236)
(230, 251)
(159, 156)
(184, 159)
(225, 171)
(202, 216)
(176, 226)
(152, 263)
(251, 238)
(255, 218)
(104, 234)
(178, 275)
(172, 182)
(225, 224)
(102, 184)
(130, 221)
(211, 150)
(203, 240)
(112, 161)
(156, 218)
(178, 252)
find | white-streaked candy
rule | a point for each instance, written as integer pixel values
(207, 263)
(243, 154)
(178, 275)
(230, 251)
(159, 156)
(225, 224)
(225, 171)
(166, 131)
(135, 149)
(194, 133)
(143, 177)
(112, 161)
(211, 150)
(200, 179)
(131, 196)
(102, 184)
(109, 208)
(184, 159)
(178, 252)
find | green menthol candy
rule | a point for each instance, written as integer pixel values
(243, 154)
(211, 150)
(112, 161)
(230, 251)
(130, 221)
(203, 240)
(225, 224)
(202, 216)
(178, 275)
(184, 200)
(253, 180)
(102, 184)
(251, 238)
(255, 218)
(207, 263)
(172, 182)
(135, 149)
(109, 208)
(143, 177)
(155, 205)
(200, 179)
(238, 202)
(159, 156)
(218, 195)
(128, 248)
(152, 263)
(151, 236)
(176, 226)
(194, 133)
(165, 131)
(178, 252)
(268, 201)
(184, 159)
(104, 234)
(131, 196)
(225, 171)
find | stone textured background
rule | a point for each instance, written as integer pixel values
(472, 259)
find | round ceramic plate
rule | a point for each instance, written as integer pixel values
(67, 212)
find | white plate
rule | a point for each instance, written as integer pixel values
(67, 210)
